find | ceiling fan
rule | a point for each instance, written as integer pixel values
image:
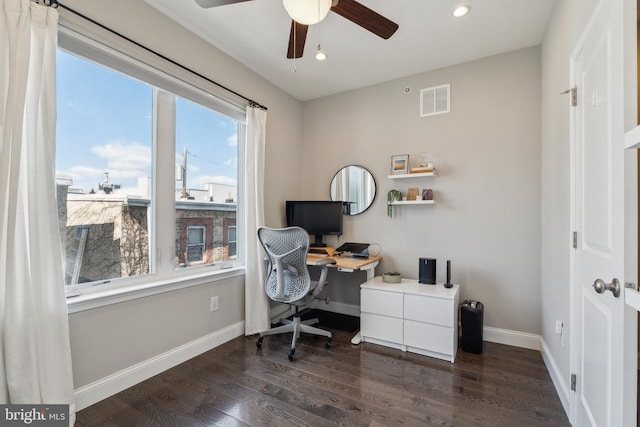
(349, 9)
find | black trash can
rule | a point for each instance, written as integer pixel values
(471, 317)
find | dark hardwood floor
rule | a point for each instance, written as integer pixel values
(366, 385)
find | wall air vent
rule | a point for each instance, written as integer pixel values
(435, 100)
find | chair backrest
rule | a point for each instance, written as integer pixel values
(288, 278)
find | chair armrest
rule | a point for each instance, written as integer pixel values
(324, 270)
(325, 261)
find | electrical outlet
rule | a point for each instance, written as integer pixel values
(214, 303)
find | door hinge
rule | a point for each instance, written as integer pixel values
(574, 95)
(574, 240)
(573, 382)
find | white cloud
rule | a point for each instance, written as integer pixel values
(125, 162)
(125, 156)
(233, 140)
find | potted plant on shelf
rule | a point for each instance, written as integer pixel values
(392, 196)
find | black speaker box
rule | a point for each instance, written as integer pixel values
(427, 271)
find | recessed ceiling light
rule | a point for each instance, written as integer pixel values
(460, 11)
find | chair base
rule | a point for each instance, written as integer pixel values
(296, 326)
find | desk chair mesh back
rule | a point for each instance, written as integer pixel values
(288, 280)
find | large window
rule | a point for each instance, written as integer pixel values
(142, 160)
(103, 167)
(206, 146)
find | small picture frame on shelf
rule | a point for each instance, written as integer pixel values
(412, 193)
(400, 164)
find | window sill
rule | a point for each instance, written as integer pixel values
(103, 298)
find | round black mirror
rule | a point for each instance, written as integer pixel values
(355, 186)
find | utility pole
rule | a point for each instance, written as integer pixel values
(184, 173)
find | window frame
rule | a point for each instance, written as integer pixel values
(202, 244)
(167, 83)
(227, 226)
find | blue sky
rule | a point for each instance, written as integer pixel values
(104, 123)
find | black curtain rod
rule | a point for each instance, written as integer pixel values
(55, 3)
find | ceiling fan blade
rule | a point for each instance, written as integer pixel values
(206, 4)
(366, 18)
(299, 34)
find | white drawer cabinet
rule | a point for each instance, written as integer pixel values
(382, 323)
(411, 316)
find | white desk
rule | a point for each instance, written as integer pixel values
(349, 264)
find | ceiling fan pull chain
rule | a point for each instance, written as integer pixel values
(294, 46)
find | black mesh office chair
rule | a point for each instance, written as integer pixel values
(288, 280)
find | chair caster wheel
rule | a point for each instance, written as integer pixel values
(328, 343)
(259, 342)
(291, 353)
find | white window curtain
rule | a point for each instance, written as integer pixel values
(256, 311)
(35, 354)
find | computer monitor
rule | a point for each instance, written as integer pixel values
(318, 217)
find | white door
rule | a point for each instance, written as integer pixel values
(598, 184)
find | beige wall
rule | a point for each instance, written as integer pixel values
(487, 152)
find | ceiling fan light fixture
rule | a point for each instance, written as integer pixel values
(321, 55)
(461, 11)
(307, 12)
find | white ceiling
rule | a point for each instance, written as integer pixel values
(256, 33)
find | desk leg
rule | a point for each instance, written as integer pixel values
(370, 269)
(357, 338)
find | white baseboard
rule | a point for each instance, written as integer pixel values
(514, 338)
(556, 376)
(92, 393)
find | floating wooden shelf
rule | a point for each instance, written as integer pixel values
(412, 175)
(413, 202)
